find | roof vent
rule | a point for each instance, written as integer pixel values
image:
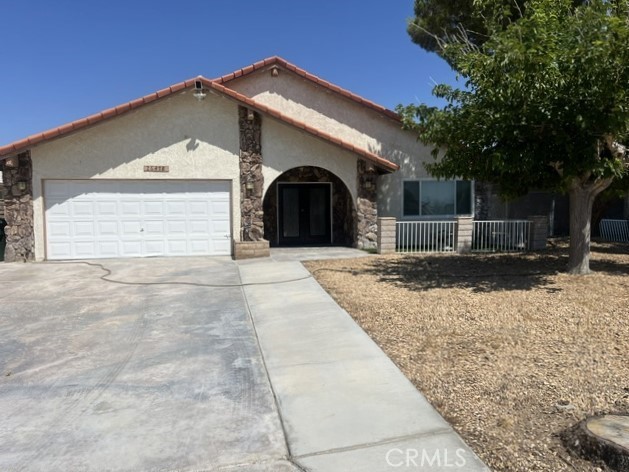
(199, 91)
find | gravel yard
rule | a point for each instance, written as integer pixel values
(509, 349)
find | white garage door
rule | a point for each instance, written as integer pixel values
(94, 219)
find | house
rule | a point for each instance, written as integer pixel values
(268, 154)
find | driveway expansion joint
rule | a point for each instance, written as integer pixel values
(393, 440)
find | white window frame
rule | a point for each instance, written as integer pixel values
(436, 217)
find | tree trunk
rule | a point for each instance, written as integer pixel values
(601, 438)
(581, 200)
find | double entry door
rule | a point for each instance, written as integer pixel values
(304, 213)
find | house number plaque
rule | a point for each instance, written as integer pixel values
(156, 169)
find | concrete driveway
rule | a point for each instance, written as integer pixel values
(101, 376)
(202, 364)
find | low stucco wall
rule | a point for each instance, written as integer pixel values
(197, 140)
(339, 116)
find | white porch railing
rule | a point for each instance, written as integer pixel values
(501, 236)
(425, 236)
(615, 230)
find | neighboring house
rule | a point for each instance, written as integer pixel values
(267, 152)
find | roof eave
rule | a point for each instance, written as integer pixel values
(278, 61)
(83, 123)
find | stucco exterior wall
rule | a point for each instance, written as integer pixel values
(197, 140)
(285, 147)
(361, 126)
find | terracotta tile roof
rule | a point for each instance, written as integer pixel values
(276, 60)
(23, 144)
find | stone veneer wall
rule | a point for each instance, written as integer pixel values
(482, 200)
(18, 208)
(367, 207)
(343, 212)
(252, 225)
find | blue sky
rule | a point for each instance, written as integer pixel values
(66, 59)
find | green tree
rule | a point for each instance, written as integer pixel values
(438, 21)
(545, 105)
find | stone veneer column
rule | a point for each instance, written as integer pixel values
(251, 179)
(18, 208)
(367, 206)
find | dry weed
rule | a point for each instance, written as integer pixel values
(507, 347)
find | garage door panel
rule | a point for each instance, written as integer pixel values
(176, 247)
(132, 248)
(199, 226)
(175, 208)
(84, 229)
(154, 208)
(222, 247)
(131, 228)
(219, 207)
(198, 208)
(176, 226)
(60, 229)
(130, 208)
(84, 249)
(107, 228)
(92, 219)
(106, 208)
(56, 207)
(153, 227)
(60, 250)
(108, 249)
(220, 226)
(154, 247)
(200, 246)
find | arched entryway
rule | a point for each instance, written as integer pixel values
(309, 206)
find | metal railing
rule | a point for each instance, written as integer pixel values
(425, 236)
(500, 236)
(614, 230)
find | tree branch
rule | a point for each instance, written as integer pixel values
(519, 9)
(600, 184)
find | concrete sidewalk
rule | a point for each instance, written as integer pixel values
(344, 405)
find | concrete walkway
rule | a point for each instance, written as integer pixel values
(169, 364)
(343, 404)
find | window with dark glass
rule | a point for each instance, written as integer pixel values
(437, 197)
(411, 198)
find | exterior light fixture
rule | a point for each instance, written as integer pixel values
(275, 71)
(199, 91)
(21, 185)
(368, 185)
(250, 115)
(11, 162)
(249, 185)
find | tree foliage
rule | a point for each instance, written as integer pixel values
(438, 21)
(545, 103)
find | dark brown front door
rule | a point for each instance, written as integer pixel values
(304, 214)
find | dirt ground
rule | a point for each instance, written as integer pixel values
(508, 348)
